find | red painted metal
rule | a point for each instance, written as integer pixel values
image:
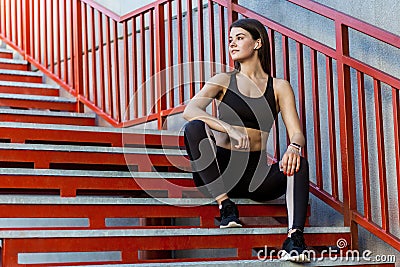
(58, 39)
(200, 41)
(20, 78)
(45, 47)
(364, 146)
(332, 130)
(131, 245)
(39, 31)
(211, 31)
(125, 107)
(8, 66)
(115, 139)
(86, 49)
(346, 131)
(77, 48)
(326, 197)
(190, 45)
(116, 92)
(381, 155)
(97, 213)
(160, 65)
(222, 37)
(171, 89)
(51, 119)
(179, 45)
(396, 128)
(78, 56)
(316, 118)
(110, 104)
(285, 57)
(152, 108)
(39, 104)
(28, 90)
(65, 43)
(101, 92)
(377, 230)
(271, 36)
(300, 91)
(134, 74)
(94, 63)
(51, 36)
(143, 52)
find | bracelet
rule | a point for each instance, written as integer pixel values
(293, 150)
(295, 146)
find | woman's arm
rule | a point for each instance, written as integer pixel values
(196, 109)
(287, 106)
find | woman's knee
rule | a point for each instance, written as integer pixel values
(194, 127)
(304, 167)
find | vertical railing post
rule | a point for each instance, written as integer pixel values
(232, 16)
(346, 131)
(160, 66)
(78, 57)
(27, 29)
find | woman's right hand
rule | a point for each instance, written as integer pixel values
(240, 136)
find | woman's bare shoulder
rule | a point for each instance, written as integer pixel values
(220, 80)
(282, 86)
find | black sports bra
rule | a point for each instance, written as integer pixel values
(251, 112)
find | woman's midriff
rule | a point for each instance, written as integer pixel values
(258, 139)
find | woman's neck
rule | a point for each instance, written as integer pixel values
(252, 69)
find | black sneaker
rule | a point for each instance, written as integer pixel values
(294, 248)
(229, 215)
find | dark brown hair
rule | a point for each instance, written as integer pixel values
(257, 30)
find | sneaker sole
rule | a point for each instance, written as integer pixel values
(231, 225)
(298, 258)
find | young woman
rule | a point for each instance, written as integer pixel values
(228, 153)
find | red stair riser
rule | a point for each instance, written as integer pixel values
(131, 245)
(28, 91)
(6, 55)
(20, 78)
(22, 103)
(42, 159)
(47, 119)
(115, 139)
(8, 66)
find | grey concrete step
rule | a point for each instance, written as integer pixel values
(4, 50)
(21, 73)
(13, 61)
(340, 261)
(54, 99)
(29, 234)
(90, 173)
(28, 85)
(86, 200)
(32, 112)
(71, 148)
(40, 126)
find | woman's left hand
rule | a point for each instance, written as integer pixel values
(290, 161)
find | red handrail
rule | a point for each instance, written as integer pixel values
(124, 68)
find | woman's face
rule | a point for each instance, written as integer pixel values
(241, 44)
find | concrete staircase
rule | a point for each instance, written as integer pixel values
(74, 194)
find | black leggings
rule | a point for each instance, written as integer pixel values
(217, 170)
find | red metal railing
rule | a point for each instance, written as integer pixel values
(123, 68)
